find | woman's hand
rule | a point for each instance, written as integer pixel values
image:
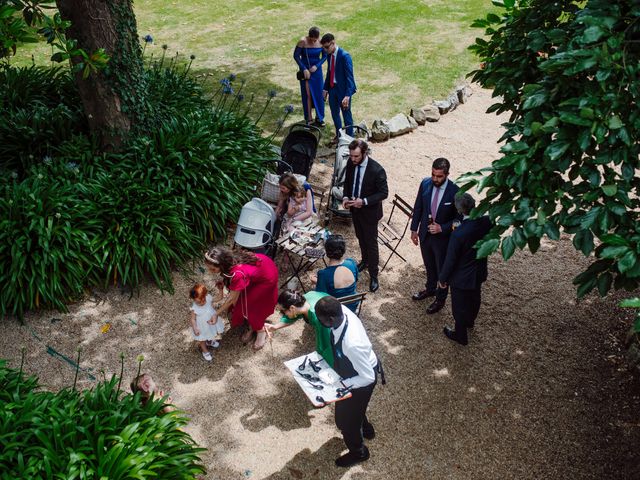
(196, 331)
(307, 74)
(313, 69)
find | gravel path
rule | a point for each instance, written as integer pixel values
(540, 392)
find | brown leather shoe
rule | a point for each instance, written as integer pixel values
(435, 307)
(422, 294)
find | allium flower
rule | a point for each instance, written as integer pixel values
(58, 215)
(72, 165)
(240, 97)
(148, 38)
(288, 109)
(165, 46)
(272, 93)
(140, 358)
(212, 158)
(192, 57)
(46, 160)
(227, 90)
(40, 176)
(232, 77)
(14, 175)
(225, 82)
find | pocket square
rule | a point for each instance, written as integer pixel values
(447, 203)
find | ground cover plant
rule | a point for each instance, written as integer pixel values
(96, 433)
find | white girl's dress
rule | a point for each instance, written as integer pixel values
(203, 315)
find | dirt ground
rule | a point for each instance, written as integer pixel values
(540, 392)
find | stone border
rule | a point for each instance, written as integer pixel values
(382, 130)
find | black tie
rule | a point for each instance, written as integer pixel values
(356, 188)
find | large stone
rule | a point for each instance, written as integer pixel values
(431, 113)
(418, 114)
(380, 131)
(412, 122)
(462, 91)
(399, 125)
(443, 106)
(453, 100)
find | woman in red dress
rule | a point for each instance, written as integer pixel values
(252, 280)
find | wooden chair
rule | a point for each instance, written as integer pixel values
(356, 297)
(387, 235)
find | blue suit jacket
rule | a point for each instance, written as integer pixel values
(345, 85)
(447, 212)
(461, 268)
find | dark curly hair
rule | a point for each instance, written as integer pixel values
(335, 246)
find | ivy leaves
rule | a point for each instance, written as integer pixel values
(570, 77)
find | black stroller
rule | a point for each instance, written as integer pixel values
(336, 192)
(299, 149)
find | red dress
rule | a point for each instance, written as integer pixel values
(258, 286)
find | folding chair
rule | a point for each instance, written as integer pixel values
(387, 235)
(356, 297)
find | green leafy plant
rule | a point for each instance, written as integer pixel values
(569, 74)
(96, 433)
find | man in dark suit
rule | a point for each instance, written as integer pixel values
(365, 187)
(339, 84)
(462, 271)
(433, 216)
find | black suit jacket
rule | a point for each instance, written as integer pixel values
(374, 188)
(445, 216)
(461, 268)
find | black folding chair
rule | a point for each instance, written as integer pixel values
(387, 235)
(356, 297)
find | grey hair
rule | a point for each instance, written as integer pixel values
(465, 203)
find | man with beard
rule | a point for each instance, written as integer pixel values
(433, 215)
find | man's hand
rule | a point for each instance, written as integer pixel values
(325, 94)
(346, 203)
(442, 284)
(345, 103)
(357, 203)
(435, 228)
(414, 237)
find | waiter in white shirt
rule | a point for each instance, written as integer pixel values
(357, 364)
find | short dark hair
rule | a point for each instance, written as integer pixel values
(326, 38)
(314, 32)
(335, 246)
(329, 311)
(465, 203)
(361, 144)
(289, 298)
(441, 164)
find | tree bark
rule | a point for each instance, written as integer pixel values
(112, 97)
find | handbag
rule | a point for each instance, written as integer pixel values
(271, 186)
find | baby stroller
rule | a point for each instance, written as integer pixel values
(299, 149)
(336, 192)
(255, 226)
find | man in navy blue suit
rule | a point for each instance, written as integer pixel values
(433, 216)
(462, 271)
(339, 84)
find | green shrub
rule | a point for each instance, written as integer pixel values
(96, 433)
(72, 217)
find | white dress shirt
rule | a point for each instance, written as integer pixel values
(357, 348)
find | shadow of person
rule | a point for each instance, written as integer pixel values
(318, 464)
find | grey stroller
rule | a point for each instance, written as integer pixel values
(336, 192)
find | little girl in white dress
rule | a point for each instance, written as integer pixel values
(205, 324)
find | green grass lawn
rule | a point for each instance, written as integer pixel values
(405, 52)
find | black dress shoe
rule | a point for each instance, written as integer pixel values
(435, 307)
(368, 432)
(451, 335)
(422, 294)
(352, 458)
(362, 265)
(373, 284)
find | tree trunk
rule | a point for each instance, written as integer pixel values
(113, 98)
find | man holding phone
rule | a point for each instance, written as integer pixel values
(365, 188)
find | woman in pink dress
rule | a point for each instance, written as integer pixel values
(252, 280)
